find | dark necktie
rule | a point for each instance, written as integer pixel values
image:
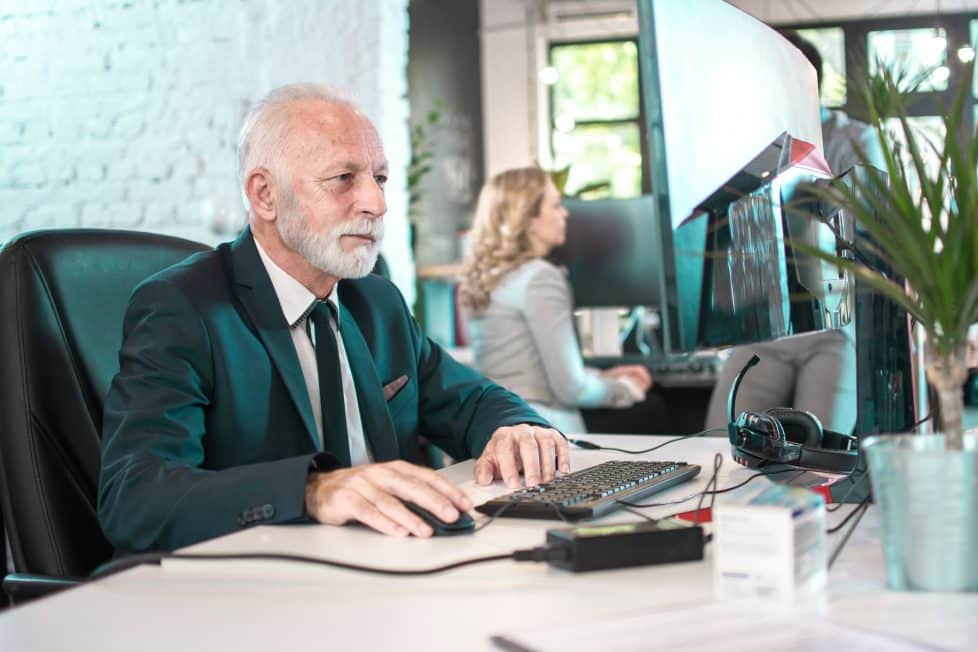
(335, 438)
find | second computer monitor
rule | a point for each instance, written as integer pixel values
(611, 252)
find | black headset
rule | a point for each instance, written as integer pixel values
(787, 436)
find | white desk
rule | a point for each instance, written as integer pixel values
(271, 606)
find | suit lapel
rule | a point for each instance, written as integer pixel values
(254, 290)
(377, 426)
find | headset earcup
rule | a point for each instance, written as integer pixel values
(799, 426)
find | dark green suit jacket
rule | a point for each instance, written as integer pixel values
(208, 426)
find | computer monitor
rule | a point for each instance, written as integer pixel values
(609, 252)
(724, 96)
(719, 87)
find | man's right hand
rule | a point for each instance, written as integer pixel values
(373, 493)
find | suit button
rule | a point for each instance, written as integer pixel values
(267, 511)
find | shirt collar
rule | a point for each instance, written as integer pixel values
(295, 298)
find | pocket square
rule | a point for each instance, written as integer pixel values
(394, 386)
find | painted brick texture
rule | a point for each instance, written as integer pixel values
(124, 113)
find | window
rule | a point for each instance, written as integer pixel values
(596, 118)
(830, 43)
(918, 55)
(927, 52)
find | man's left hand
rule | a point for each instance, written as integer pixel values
(536, 451)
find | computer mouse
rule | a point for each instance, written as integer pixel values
(463, 525)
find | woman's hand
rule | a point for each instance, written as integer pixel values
(636, 373)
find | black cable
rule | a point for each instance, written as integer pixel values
(858, 472)
(838, 549)
(854, 478)
(558, 510)
(842, 524)
(800, 472)
(540, 553)
(717, 491)
(590, 445)
(717, 463)
(495, 515)
(678, 501)
(631, 510)
(514, 500)
(921, 422)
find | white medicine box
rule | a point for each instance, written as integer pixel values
(771, 546)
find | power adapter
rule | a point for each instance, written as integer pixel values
(600, 547)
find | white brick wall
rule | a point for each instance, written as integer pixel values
(124, 113)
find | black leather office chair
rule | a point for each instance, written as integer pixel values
(63, 294)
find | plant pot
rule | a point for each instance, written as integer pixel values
(928, 502)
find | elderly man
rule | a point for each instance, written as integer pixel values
(273, 380)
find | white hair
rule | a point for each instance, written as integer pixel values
(263, 139)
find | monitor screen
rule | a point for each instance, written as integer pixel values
(611, 252)
(718, 88)
(723, 95)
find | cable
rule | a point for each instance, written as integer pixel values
(836, 528)
(838, 549)
(857, 473)
(540, 553)
(800, 472)
(854, 478)
(717, 463)
(515, 500)
(717, 491)
(678, 501)
(590, 445)
(495, 515)
(558, 510)
(921, 422)
(636, 512)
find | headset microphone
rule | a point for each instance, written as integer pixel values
(786, 436)
(732, 398)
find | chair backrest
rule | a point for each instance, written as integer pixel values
(63, 295)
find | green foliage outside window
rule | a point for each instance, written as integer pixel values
(598, 81)
(596, 118)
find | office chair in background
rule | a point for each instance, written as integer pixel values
(63, 295)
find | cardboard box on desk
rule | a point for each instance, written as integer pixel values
(770, 546)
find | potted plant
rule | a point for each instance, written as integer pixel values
(921, 217)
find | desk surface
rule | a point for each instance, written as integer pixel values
(264, 606)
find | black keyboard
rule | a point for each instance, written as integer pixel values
(590, 492)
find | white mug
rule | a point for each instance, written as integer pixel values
(605, 339)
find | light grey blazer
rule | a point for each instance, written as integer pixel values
(525, 341)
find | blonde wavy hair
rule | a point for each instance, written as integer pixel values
(499, 241)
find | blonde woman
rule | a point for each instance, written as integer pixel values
(519, 305)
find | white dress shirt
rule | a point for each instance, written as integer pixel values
(295, 300)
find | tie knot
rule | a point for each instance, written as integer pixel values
(321, 315)
(320, 310)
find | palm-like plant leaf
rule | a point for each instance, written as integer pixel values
(920, 217)
(927, 234)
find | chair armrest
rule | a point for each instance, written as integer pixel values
(25, 586)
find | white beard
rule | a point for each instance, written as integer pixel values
(324, 251)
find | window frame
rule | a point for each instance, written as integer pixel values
(855, 38)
